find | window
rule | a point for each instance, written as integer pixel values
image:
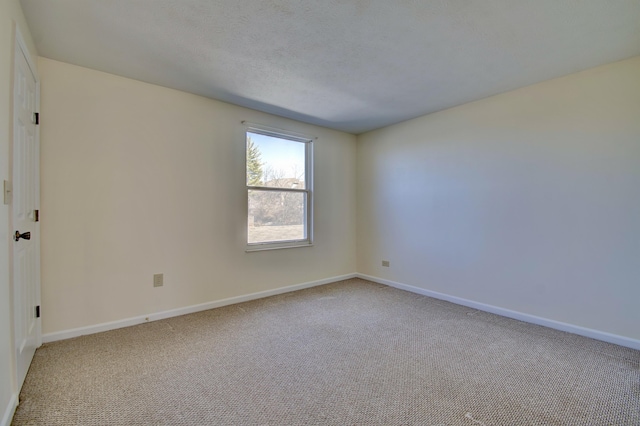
(279, 189)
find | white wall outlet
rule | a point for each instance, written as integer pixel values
(158, 280)
(385, 263)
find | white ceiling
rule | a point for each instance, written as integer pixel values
(352, 65)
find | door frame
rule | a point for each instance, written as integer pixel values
(21, 48)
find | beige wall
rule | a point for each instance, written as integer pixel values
(139, 179)
(528, 201)
(10, 17)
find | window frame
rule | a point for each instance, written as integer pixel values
(308, 190)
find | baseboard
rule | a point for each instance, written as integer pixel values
(98, 328)
(9, 410)
(570, 328)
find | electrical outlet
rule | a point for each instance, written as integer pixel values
(158, 280)
(385, 263)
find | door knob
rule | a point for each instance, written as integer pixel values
(24, 236)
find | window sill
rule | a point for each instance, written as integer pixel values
(276, 247)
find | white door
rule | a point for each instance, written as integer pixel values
(26, 204)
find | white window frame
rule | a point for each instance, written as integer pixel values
(308, 190)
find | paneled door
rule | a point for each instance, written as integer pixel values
(25, 213)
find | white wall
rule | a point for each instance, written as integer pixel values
(10, 17)
(139, 179)
(529, 200)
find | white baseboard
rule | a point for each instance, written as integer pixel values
(570, 328)
(98, 328)
(9, 410)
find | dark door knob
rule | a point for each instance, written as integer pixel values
(24, 236)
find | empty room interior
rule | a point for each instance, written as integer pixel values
(307, 213)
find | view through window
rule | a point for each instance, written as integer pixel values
(278, 189)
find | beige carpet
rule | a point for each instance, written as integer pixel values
(349, 353)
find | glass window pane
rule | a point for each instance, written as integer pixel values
(275, 162)
(276, 216)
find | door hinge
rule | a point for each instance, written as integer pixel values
(36, 118)
(36, 215)
(38, 311)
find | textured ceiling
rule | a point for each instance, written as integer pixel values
(352, 65)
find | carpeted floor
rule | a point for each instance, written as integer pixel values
(348, 353)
